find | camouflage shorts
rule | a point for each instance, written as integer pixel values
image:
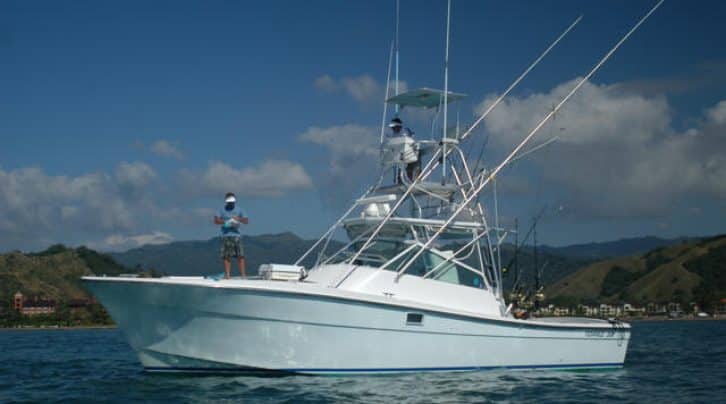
(231, 247)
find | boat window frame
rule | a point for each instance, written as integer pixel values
(454, 263)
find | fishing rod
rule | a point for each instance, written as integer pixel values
(518, 246)
(515, 258)
(388, 86)
(446, 94)
(398, 13)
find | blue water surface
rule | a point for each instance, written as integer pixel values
(673, 361)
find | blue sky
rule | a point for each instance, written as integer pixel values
(122, 122)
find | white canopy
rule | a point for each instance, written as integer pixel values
(424, 98)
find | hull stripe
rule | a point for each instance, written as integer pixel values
(378, 370)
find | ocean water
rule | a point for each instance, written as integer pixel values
(670, 361)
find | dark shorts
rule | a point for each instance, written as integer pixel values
(231, 247)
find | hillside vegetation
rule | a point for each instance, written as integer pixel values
(693, 270)
(616, 248)
(54, 273)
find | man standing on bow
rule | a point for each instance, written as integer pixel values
(231, 218)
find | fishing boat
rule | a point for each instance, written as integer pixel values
(417, 287)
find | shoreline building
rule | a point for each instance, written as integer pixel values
(34, 307)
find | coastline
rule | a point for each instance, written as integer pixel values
(60, 328)
(666, 318)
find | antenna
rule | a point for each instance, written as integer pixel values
(516, 251)
(534, 254)
(398, 12)
(388, 85)
(446, 92)
(457, 123)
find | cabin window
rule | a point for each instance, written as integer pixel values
(449, 272)
(459, 276)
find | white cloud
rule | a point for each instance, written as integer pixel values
(402, 87)
(363, 89)
(326, 83)
(353, 151)
(345, 142)
(618, 155)
(165, 148)
(272, 178)
(717, 114)
(135, 175)
(117, 208)
(38, 208)
(120, 242)
(597, 113)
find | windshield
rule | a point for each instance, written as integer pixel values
(430, 264)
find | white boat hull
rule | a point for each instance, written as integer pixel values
(265, 326)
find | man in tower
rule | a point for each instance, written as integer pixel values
(413, 168)
(396, 125)
(397, 128)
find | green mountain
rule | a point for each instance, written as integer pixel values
(186, 258)
(694, 270)
(553, 265)
(54, 274)
(558, 262)
(616, 248)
